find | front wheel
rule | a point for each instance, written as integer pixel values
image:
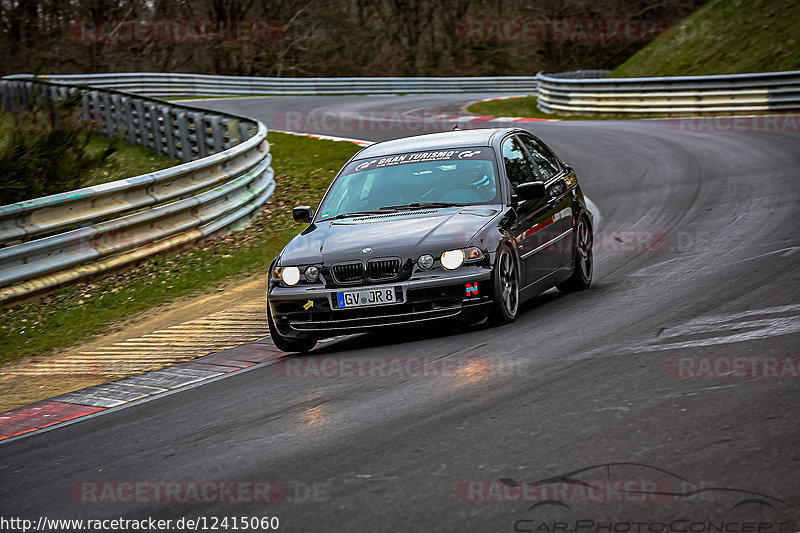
(506, 287)
(581, 276)
(286, 344)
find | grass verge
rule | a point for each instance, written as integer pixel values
(525, 106)
(723, 37)
(74, 314)
(128, 160)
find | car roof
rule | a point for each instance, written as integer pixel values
(433, 141)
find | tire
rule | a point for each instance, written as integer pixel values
(285, 344)
(506, 287)
(582, 272)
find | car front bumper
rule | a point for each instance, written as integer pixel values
(311, 310)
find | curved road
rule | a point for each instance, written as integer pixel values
(696, 264)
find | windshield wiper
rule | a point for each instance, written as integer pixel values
(424, 205)
(357, 214)
(383, 210)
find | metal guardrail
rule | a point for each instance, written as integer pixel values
(166, 85)
(769, 91)
(59, 238)
(178, 132)
(578, 92)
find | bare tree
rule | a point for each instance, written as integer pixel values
(339, 38)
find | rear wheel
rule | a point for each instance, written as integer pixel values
(506, 287)
(286, 344)
(581, 276)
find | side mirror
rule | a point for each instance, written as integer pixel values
(532, 190)
(302, 214)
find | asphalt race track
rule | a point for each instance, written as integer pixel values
(696, 275)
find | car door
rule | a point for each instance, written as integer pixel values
(558, 185)
(531, 230)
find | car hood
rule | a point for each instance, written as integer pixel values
(404, 234)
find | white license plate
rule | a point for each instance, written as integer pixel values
(366, 298)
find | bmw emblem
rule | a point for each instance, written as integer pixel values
(366, 251)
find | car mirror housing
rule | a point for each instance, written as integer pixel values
(532, 190)
(302, 214)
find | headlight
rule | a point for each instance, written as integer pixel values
(425, 262)
(311, 274)
(452, 259)
(473, 254)
(290, 275)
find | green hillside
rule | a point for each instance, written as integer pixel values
(724, 37)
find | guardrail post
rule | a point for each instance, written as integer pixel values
(198, 126)
(106, 110)
(244, 132)
(185, 151)
(165, 122)
(217, 133)
(150, 130)
(93, 104)
(138, 124)
(128, 113)
(24, 93)
(6, 92)
(232, 131)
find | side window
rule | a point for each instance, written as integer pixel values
(542, 155)
(519, 167)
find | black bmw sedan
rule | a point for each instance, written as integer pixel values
(460, 225)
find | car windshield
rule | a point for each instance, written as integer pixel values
(440, 178)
